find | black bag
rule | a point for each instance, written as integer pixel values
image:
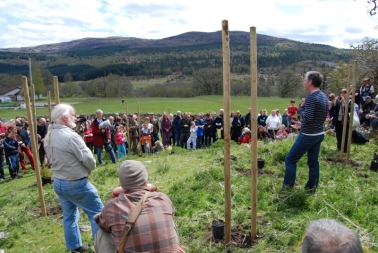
(358, 137)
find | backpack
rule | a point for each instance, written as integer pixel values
(358, 137)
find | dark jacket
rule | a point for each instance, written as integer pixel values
(184, 121)
(10, 147)
(98, 135)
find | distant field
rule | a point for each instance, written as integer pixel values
(156, 105)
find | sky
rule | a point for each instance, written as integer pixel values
(338, 23)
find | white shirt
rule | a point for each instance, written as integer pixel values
(273, 122)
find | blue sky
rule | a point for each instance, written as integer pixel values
(36, 22)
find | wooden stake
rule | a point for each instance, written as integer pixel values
(353, 89)
(128, 126)
(139, 121)
(34, 145)
(49, 104)
(34, 112)
(226, 124)
(345, 120)
(56, 90)
(253, 131)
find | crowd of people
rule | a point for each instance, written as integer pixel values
(69, 143)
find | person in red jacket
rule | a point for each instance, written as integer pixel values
(101, 137)
(292, 111)
(246, 136)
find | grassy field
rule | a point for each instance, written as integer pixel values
(194, 182)
(156, 105)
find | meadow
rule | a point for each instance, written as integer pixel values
(157, 105)
(194, 181)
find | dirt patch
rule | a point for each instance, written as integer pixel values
(352, 163)
(247, 172)
(51, 211)
(363, 175)
(232, 157)
(240, 237)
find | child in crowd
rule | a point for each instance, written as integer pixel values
(145, 138)
(11, 152)
(246, 136)
(119, 138)
(193, 136)
(262, 134)
(281, 133)
(158, 147)
(88, 136)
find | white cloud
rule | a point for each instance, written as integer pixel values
(35, 22)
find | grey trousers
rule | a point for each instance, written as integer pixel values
(104, 242)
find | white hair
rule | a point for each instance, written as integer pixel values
(59, 111)
(331, 236)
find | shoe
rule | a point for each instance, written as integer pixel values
(19, 176)
(82, 248)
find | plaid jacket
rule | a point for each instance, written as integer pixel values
(154, 230)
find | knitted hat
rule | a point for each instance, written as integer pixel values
(131, 174)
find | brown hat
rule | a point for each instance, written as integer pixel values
(132, 174)
(366, 79)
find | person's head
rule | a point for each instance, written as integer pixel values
(285, 111)
(238, 113)
(331, 96)
(178, 113)
(186, 115)
(261, 128)
(292, 102)
(63, 114)
(368, 99)
(118, 129)
(111, 119)
(273, 113)
(246, 130)
(367, 87)
(192, 123)
(19, 126)
(263, 112)
(207, 115)
(366, 80)
(221, 111)
(282, 127)
(170, 116)
(313, 78)
(152, 115)
(132, 174)
(331, 236)
(147, 120)
(42, 121)
(343, 93)
(165, 116)
(119, 120)
(329, 90)
(99, 114)
(250, 110)
(10, 132)
(376, 99)
(277, 111)
(144, 125)
(157, 143)
(116, 115)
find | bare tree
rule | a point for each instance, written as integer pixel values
(208, 81)
(288, 83)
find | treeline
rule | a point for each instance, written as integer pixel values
(88, 64)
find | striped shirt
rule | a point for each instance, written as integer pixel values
(154, 230)
(314, 113)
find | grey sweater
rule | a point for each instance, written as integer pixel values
(68, 155)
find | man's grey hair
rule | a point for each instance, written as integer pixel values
(59, 111)
(99, 111)
(315, 77)
(330, 236)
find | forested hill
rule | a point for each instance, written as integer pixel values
(89, 58)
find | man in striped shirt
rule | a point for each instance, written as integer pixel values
(313, 112)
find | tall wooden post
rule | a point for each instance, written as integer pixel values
(34, 112)
(345, 120)
(227, 137)
(353, 89)
(56, 90)
(253, 131)
(128, 123)
(139, 121)
(32, 126)
(49, 105)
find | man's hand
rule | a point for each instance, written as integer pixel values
(116, 192)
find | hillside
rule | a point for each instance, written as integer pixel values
(89, 58)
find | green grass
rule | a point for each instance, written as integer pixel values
(156, 105)
(194, 182)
